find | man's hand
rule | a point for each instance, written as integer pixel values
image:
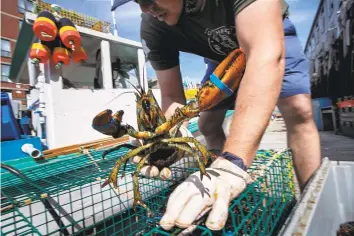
(193, 196)
(152, 171)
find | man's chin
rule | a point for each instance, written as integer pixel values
(170, 22)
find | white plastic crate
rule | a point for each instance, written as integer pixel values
(327, 202)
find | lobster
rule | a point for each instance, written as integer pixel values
(161, 144)
(222, 84)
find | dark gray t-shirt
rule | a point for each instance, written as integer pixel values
(205, 28)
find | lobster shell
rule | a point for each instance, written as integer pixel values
(230, 71)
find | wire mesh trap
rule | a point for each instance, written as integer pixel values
(63, 196)
(77, 18)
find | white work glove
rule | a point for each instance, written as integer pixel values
(193, 196)
(153, 171)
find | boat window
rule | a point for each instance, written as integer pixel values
(126, 79)
(76, 76)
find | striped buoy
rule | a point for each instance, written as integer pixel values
(45, 26)
(79, 56)
(69, 34)
(40, 52)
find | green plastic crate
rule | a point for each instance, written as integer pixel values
(63, 196)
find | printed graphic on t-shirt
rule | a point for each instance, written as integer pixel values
(192, 6)
(222, 40)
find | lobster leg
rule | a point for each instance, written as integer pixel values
(139, 134)
(114, 173)
(181, 146)
(137, 196)
(126, 145)
(175, 131)
(187, 148)
(181, 114)
(222, 84)
(205, 153)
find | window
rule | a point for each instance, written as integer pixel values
(25, 5)
(5, 48)
(5, 71)
(21, 6)
(323, 21)
(29, 6)
(121, 77)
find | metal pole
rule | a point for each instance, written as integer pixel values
(115, 31)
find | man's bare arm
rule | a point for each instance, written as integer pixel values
(260, 33)
(172, 92)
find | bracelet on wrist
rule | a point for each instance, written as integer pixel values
(234, 159)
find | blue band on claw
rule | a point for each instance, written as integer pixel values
(218, 83)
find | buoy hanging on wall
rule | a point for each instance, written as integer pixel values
(60, 55)
(69, 34)
(41, 51)
(79, 55)
(45, 26)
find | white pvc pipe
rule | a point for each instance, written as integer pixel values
(30, 150)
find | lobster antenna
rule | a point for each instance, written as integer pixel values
(117, 97)
(133, 86)
(142, 90)
(144, 67)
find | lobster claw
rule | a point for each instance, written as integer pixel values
(107, 124)
(224, 81)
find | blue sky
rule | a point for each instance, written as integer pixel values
(302, 13)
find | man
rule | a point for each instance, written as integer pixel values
(276, 74)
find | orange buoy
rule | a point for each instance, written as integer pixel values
(79, 56)
(39, 53)
(69, 34)
(45, 26)
(61, 56)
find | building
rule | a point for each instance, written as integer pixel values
(11, 21)
(12, 13)
(329, 49)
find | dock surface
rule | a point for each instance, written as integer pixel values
(335, 147)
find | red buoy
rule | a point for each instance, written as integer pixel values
(61, 56)
(69, 34)
(39, 53)
(79, 56)
(45, 26)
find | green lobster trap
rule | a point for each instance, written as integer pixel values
(63, 196)
(77, 18)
